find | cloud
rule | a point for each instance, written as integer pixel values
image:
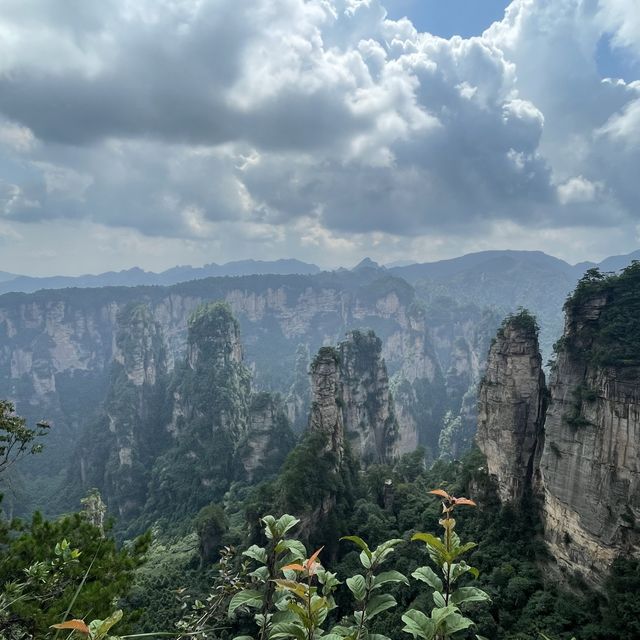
(306, 123)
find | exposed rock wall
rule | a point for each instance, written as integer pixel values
(511, 407)
(591, 461)
(168, 443)
(587, 471)
(351, 398)
(326, 412)
(367, 407)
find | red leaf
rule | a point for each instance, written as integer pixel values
(75, 625)
(295, 566)
(458, 501)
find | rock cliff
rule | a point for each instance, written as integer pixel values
(585, 463)
(351, 398)
(511, 406)
(269, 437)
(134, 409)
(591, 461)
(167, 443)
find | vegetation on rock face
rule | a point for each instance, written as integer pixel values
(522, 320)
(609, 334)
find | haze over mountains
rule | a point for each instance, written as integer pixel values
(483, 262)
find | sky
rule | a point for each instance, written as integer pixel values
(160, 132)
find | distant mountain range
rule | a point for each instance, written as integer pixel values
(134, 277)
(473, 266)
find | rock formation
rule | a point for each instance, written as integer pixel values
(591, 461)
(168, 443)
(511, 406)
(351, 398)
(326, 412)
(587, 464)
(269, 437)
(118, 449)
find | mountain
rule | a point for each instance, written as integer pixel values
(58, 347)
(5, 277)
(580, 456)
(137, 277)
(167, 443)
(506, 280)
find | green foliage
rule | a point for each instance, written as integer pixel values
(445, 618)
(522, 320)
(88, 559)
(612, 336)
(211, 524)
(16, 439)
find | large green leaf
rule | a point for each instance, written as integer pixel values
(428, 575)
(383, 550)
(459, 550)
(469, 594)
(460, 569)
(360, 542)
(256, 553)
(418, 625)
(285, 523)
(295, 548)
(365, 560)
(288, 630)
(246, 598)
(441, 614)
(358, 586)
(438, 599)
(270, 528)
(100, 628)
(455, 622)
(379, 603)
(431, 541)
(389, 576)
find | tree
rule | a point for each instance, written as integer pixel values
(16, 439)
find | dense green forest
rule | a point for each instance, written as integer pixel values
(213, 577)
(242, 529)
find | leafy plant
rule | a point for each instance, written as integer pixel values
(307, 606)
(16, 439)
(446, 618)
(365, 588)
(262, 595)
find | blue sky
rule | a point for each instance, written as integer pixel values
(468, 18)
(449, 17)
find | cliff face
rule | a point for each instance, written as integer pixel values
(167, 443)
(133, 410)
(367, 406)
(511, 407)
(57, 346)
(116, 450)
(587, 471)
(591, 461)
(351, 398)
(326, 415)
(269, 438)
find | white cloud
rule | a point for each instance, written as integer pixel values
(316, 125)
(577, 189)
